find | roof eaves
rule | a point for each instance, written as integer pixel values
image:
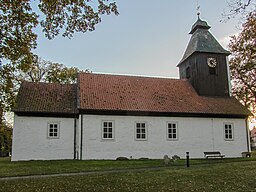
(162, 114)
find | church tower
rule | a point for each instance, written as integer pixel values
(204, 63)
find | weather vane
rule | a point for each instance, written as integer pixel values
(198, 9)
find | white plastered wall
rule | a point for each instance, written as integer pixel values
(30, 141)
(195, 135)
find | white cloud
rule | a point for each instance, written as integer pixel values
(224, 41)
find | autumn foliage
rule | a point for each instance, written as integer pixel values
(243, 63)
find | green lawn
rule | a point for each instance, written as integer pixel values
(203, 175)
(23, 168)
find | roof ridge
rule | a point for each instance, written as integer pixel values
(128, 75)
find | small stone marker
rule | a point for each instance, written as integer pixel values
(175, 158)
(167, 160)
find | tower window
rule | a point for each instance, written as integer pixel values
(212, 70)
(188, 72)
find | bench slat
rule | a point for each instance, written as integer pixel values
(209, 154)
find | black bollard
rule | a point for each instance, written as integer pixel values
(187, 155)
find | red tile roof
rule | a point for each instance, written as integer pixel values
(147, 94)
(119, 93)
(46, 98)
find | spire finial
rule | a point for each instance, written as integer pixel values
(198, 10)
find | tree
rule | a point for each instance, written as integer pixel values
(46, 71)
(38, 70)
(239, 7)
(5, 139)
(7, 88)
(243, 63)
(19, 18)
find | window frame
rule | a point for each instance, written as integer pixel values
(103, 127)
(176, 128)
(49, 127)
(145, 133)
(232, 131)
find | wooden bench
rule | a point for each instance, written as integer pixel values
(213, 154)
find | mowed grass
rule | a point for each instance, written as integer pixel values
(24, 168)
(203, 175)
(227, 175)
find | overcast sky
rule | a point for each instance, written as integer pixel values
(148, 38)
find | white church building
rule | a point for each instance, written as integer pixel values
(109, 116)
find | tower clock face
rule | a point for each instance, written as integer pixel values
(212, 62)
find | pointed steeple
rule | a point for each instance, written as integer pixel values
(204, 63)
(202, 41)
